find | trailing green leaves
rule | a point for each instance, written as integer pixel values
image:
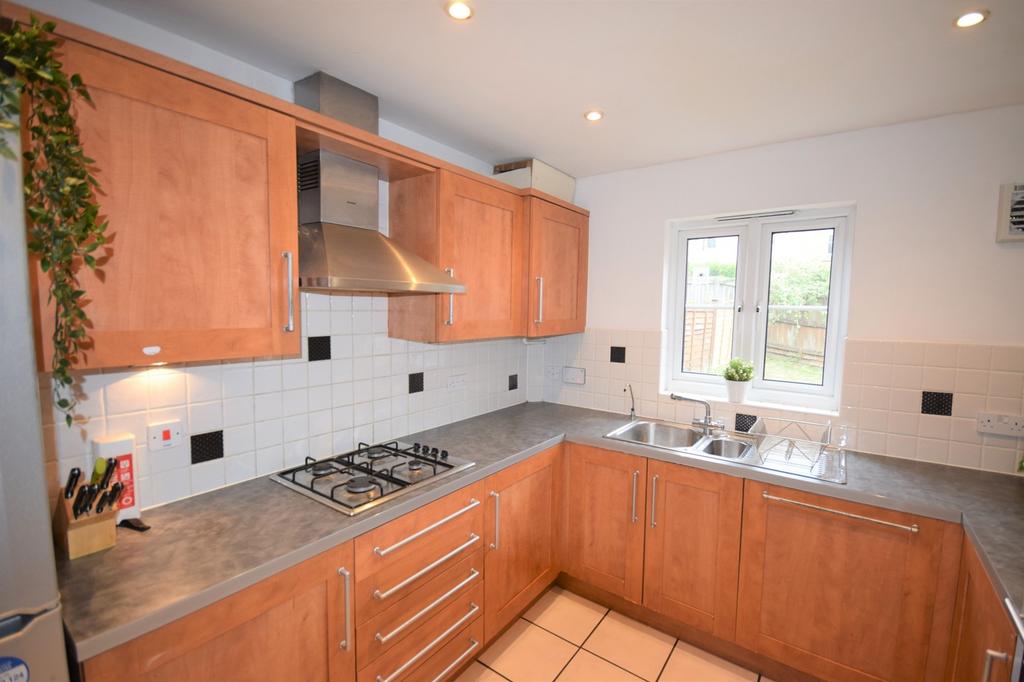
(65, 227)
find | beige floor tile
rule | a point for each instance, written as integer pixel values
(568, 615)
(527, 653)
(631, 645)
(586, 667)
(478, 673)
(688, 663)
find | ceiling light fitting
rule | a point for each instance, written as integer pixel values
(459, 10)
(972, 18)
(593, 115)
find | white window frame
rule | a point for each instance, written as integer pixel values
(755, 232)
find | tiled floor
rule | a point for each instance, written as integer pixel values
(566, 637)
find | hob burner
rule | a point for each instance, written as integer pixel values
(415, 465)
(361, 484)
(322, 467)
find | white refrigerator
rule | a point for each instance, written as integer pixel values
(31, 632)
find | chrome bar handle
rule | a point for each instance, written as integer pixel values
(632, 515)
(347, 579)
(913, 528)
(540, 301)
(384, 639)
(473, 644)
(473, 503)
(451, 301)
(497, 520)
(654, 499)
(1015, 616)
(991, 656)
(473, 610)
(384, 594)
(289, 261)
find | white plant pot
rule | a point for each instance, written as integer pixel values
(737, 390)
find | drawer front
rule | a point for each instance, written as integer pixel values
(401, 662)
(388, 629)
(453, 656)
(399, 557)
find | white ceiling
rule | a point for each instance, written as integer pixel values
(677, 79)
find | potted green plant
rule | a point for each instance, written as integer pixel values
(738, 375)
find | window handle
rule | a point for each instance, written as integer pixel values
(739, 308)
(757, 308)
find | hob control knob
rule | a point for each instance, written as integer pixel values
(433, 452)
(444, 454)
(415, 447)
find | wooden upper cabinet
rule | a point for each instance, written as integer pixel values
(295, 625)
(477, 231)
(559, 239)
(845, 591)
(692, 552)
(980, 625)
(521, 522)
(605, 544)
(199, 189)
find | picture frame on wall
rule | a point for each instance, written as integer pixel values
(1011, 213)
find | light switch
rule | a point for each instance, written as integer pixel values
(164, 434)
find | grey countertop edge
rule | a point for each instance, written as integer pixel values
(104, 641)
(94, 645)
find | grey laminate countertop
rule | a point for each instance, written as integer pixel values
(206, 547)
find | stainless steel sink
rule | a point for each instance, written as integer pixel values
(727, 448)
(656, 434)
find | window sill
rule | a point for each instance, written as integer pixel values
(718, 400)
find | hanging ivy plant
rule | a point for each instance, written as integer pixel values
(65, 228)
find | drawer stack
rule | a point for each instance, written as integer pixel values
(418, 607)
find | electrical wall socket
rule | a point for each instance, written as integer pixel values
(574, 375)
(1001, 424)
(456, 382)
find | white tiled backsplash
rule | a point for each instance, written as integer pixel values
(276, 412)
(881, 397)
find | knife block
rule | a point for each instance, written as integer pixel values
(87, 534)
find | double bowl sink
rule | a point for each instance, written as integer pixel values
(683, 439)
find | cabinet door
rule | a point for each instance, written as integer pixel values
(980, 625)
(295, 625)
(482, 239)
(692, 552)
(199, 191)
(520, 530)
(558, 269)
(606, 519)
(845, 591)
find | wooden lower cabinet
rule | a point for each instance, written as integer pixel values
(520, 531)
(845, 591)
(692, 552)
(605, 535)
(980, 625)
(291, 626)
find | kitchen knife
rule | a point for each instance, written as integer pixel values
(115, 493)
(105, 481)
(94, 491)
(69, 488)
(104, 501)
(76, 507)
(98, 469)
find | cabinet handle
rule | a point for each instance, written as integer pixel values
(911, 528)
(289, 262)
(347, 604)
(540, 301)
(632, 514)
(384, 639)
(473, 503)
(1015, 617)
(654, 499)
(473, 644)
(497, 520)
(991, 656)
(451, 301)
(384, 594)
(473, 610)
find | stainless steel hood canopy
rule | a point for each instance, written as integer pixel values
(340, 248)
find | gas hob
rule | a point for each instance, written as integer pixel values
(370, 475)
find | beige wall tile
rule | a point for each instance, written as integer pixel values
(905, 400)
(964, 455)
(903, 423)
(908, 353)
(933, 426)
(932, 450)
(940, 355)
(876, 374)
(901, 446)
(907, 376)
(878, 351)
(871, 441)
(1005, 384)
(968, 406)
(874, 420)
(974, 357)
(939, 379)
(964, 430)
(998, 459)
(1008, 358)
(972, 381)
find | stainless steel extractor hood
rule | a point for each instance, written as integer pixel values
(340, 247)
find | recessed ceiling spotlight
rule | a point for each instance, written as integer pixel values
(594, 115)
(972, 18)
(459, 10)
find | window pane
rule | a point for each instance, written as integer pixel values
(798, 283)
(710, 306)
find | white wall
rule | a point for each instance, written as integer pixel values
(131, 30)
(925, 266)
